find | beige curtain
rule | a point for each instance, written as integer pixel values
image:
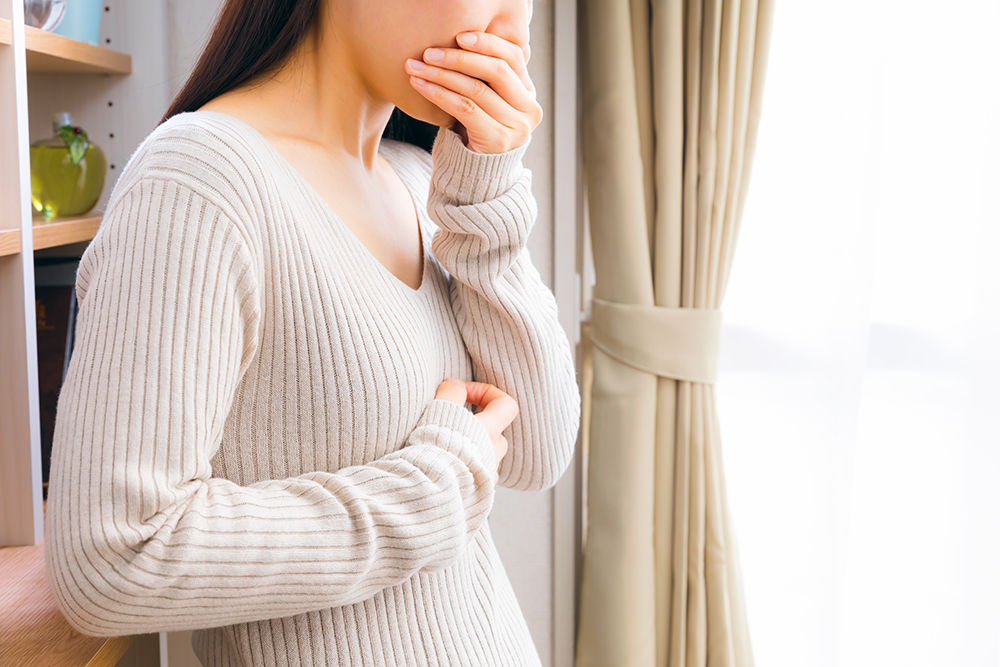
(671, 101)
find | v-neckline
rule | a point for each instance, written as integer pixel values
(352, 238)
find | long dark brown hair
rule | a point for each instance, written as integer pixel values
(252, 38)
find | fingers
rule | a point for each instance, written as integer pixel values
(488, 80)
(481, 393)
(453, 390)
(474, 88)
(490, 396)
(463, 108)
(484, 86)
(496, 72)
(498, 407)
(492, 45)
(507, 102)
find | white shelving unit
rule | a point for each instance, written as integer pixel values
(118, 99)
(42, 73)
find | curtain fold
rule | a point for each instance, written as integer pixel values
(671, 101)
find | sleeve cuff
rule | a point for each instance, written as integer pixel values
(454, 428)
(468, 177)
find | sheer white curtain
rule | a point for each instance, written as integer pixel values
(859, 391)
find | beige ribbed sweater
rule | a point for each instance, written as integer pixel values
(247, 442)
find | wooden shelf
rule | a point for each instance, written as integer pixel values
(33, 630)
(62, 231)
(52, 54)
(58, 232)
(47, 52)
(10, 242)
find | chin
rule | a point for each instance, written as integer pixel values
(428, 112)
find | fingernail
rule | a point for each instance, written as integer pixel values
(415, 64)
(466, 39)
(434, 54)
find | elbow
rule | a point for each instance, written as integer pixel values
(543, 481)
(94, 595)
(564, 443)
(551, 464)
(83, 619)
(552, 461)
(81, 600)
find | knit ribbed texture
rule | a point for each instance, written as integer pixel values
(247, 441)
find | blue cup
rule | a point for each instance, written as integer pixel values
(82, 21)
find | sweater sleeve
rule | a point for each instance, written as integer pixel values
(485, 210)
(140, 537)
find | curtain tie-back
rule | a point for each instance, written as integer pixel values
(678, 343)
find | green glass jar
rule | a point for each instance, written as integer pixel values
(66, 182)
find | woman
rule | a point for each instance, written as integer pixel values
(256, 438)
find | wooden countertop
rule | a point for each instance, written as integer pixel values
(33, 630)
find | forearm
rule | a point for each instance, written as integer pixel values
(508, 317)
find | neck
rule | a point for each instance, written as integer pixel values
(319, 95)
